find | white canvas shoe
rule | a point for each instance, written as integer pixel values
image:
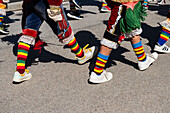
(149, 60)
(88, 54)
(103, 77)
(162, 49)
(22, 77)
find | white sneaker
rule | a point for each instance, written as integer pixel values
(166, 24)
(149, 60)
(88, 54)
(22, 77)
(161, 2)
(103, 77)
(162, 49)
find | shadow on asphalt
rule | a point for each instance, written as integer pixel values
(151, 34)
(9, 20)
(86, 3)
(162, 9)
(85, 37)
(43, 56)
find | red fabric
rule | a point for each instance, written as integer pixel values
(30, 32)
(1, 1)
(114, 13)
(51, 2)
(55, 2)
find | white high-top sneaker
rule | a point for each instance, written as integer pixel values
(103, 77)
(162, 49)
(149, 60)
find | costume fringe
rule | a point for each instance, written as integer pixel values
(133, 18)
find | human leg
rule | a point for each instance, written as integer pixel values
(144, 60)
(109, 41)
(65, 34)
(164, 36)
(27, 39)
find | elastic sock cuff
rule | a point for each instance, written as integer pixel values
(105, 57)
(137, 44)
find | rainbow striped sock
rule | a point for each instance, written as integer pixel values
(139, 51)
(164, 36)
(75, 48)
(1, 19)
(23, 49)
(100, 63)
(145, 2)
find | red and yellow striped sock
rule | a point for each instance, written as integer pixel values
(75, 48)
(139, 51)
(23, 49)
(100, 63)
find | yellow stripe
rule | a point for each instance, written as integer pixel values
(102, 65)
(21, 53)
(78, 52)
(99, 71)
(72, 40)
(164, 36)
(140, 52)
(142, 57)
(102, 60)
(75, 46)
(24, 44)
(20, 64)
(138, 49)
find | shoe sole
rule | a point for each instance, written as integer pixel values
(104, 11)
(73, 17)
(21, 80)
(95, 52)
(161, 51)
(98, 82)
(151, 62)
(4, 32)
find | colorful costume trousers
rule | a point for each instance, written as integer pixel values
(34, 13)
(118, 23)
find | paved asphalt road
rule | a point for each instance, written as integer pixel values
(59, 84)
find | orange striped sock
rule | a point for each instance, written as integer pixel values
(75, 48)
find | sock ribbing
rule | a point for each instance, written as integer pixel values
(139, 51)
(75, 48)
(100, 63)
